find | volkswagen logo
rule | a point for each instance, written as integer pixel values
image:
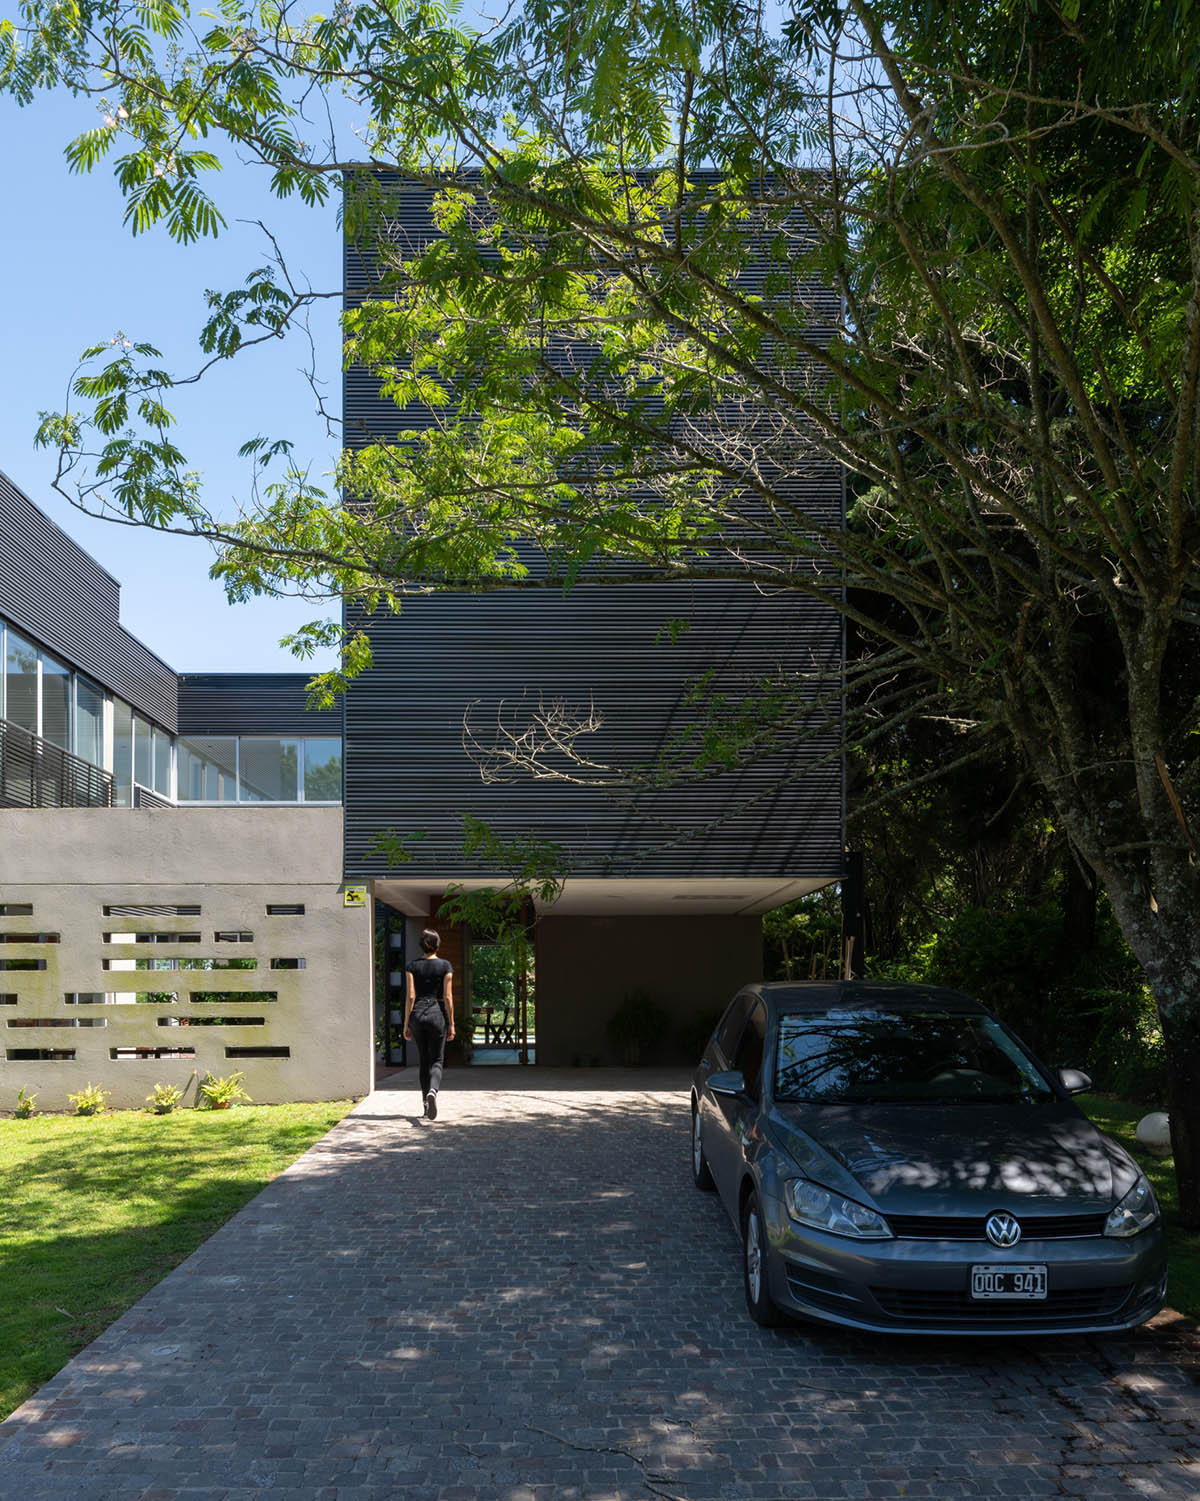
(1002, 1230)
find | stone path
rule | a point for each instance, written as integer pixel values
(529, 1299)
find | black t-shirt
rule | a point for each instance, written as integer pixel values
(429, 980)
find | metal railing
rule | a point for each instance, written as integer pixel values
(143, 797)
(37, 774)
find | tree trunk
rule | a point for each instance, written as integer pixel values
(1165, 937)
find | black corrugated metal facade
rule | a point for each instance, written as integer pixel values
(455, 659)
(54, 591)
(251, 703)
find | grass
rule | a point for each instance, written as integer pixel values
(97, 1210)
(1120, 1120)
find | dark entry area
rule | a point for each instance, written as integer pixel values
(390, 1047)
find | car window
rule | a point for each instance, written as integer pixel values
(846, 1055)
(749, 1057)
(731, 1025)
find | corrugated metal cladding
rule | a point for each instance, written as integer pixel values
(483, 662)
(52, 589)
(245, 703)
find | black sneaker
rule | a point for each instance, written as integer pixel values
(431, 1107)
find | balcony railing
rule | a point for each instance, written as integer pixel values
(144, 798)
(36, 774)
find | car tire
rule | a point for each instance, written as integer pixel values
(701, 1173)
(761, 1306)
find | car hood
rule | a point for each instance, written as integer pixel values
(957, 1159)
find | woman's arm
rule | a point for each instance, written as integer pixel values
(448, 1002)
(410, 995)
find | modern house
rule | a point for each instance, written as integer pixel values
(171, 892)
(192, 873)
(665, 890)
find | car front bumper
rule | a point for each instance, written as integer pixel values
(1094, 1284)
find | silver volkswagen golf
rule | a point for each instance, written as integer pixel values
(895, 1160)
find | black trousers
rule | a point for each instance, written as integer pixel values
(429, 1034)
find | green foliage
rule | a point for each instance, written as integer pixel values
(164, 1098)
(220, 1094)
(530, 870)
(25, 1109)
(802, 940)
(1007, 371)
(1087, 1010)
(637, 1026)
(1119, 1117)
(90, 1100)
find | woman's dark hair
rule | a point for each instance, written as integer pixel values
(430, 941)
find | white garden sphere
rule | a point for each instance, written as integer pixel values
(1154, 1133)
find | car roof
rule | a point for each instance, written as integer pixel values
(822, 995)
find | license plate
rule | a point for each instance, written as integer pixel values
(1008, 1282)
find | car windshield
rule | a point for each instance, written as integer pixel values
(844, 1056)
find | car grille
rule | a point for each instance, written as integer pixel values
(970, 1227)
(1065, 1305)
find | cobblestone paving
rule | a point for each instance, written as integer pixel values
(529, 1299)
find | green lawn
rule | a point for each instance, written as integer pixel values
(1183, 1249)
(96, 1210)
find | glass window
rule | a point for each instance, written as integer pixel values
(323, 771)
(162, 763)
(89, 722)
(56, 702)
(207, 769)
(143, 753)
(852, 1055)
(749, 1056)
(731, 1026)
(20, 660)
(269, 770)
(122, 754)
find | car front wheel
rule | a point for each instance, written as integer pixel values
(759, 1302)
(701, 1175)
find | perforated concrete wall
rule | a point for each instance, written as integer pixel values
(140, 946)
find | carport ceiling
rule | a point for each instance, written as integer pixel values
(623, 898)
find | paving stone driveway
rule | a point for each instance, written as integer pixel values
(529, 1299)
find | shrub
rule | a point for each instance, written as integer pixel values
(89, 1100)
(636, 1026)
(24, 1109)
(220, 1094)
(164, 1098)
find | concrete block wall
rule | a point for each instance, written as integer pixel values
(204, 879)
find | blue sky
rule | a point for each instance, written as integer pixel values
(74, 275)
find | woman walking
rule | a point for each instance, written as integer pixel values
(429, 1016)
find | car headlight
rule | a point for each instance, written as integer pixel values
(810, 1204)
(1136, 1212)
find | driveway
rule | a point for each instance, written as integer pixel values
(528, 1298)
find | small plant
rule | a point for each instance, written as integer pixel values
(89, 1100)
(219, 1094)
(164, 1098)
(25, 1108)
(637, 1025)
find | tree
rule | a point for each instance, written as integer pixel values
(1003, 198)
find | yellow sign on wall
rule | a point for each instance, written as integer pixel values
(354, 896)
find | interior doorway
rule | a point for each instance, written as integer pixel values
(501, 1004)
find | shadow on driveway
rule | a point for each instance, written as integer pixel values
(528, 1299)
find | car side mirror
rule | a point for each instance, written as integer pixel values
(728, 1082)
(1074, 1080)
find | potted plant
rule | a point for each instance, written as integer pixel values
(221, 1094)
(638, 1024)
